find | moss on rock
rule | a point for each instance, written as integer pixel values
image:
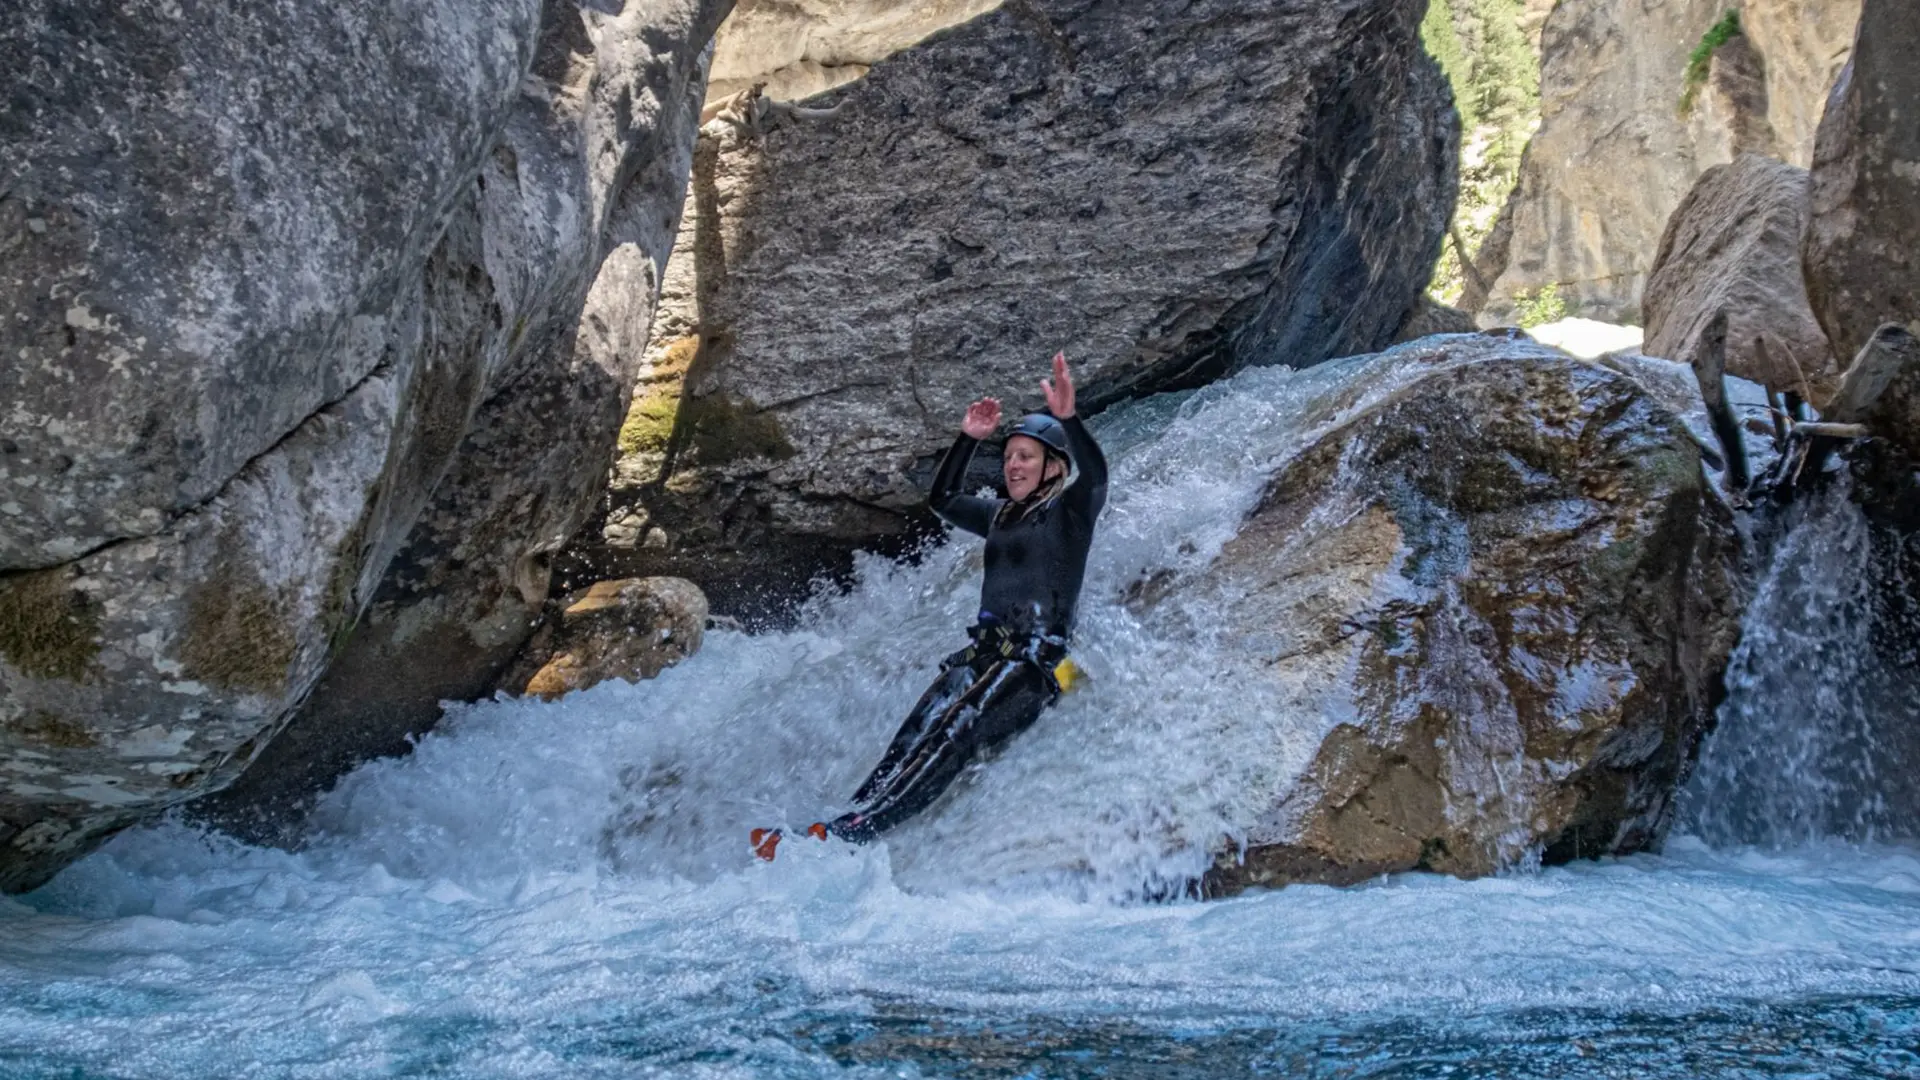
(55, 732)
(720, 429)
(237, 634)
(656, 401)
(706, 429)
(48, 629)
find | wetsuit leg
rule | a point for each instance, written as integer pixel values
(953, 681)
(1000, 699)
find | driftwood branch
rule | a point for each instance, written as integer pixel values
(1466, 260)
(1828, 430)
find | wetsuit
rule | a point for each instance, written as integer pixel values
(997, 686)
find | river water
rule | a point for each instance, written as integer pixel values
(564, 889)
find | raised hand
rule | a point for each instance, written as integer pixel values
(982, 419)
(1059, 389)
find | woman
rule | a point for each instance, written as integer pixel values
(1037, 540)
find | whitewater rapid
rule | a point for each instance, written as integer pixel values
(564, 889)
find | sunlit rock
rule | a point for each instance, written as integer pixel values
(1733, 246)
(1506, 588)
(1616, 151)
(628, 630)
(800, 48)
(1587, 338)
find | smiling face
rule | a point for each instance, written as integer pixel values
(1026, 466)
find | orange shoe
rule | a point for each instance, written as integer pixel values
(765, 842)
(817, 830)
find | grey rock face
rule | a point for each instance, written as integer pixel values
(1503, 576)
(1165, 190)
(197, 265)
(1733, 245)
(1861, 255)
(1614, 156)
(282, 275)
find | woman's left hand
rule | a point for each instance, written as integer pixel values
(1059, 389)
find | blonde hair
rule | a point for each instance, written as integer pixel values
(1043, 493)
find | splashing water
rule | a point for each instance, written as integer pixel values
(1818, 734)
(564, 889)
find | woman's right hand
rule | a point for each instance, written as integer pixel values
(982, 419)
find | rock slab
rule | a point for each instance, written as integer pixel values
(1165, 190)
(1502, 580)
(1733, 246)
(1862, 253)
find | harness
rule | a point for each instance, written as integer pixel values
(995, 640)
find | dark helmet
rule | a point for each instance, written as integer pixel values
(1046, 430)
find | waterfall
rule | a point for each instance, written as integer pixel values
(1818, 734)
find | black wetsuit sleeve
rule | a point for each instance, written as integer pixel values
(1089, 493)
(968, 512)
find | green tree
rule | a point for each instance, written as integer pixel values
(1495, 74)
(1700, 60)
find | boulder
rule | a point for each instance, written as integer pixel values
(290, 291)
(1614, 154)
(1881, 390)
(1733, 246)
(631, 630)
(1165, 190)
(1429, 317)
(1862, 252)
(1502, 582)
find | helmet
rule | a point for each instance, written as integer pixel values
(1046, 430)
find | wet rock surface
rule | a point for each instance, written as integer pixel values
(631, 630)
(1504, 581)
(1862, 253)
(288, 292)
(1733, 246)
(1164, 190)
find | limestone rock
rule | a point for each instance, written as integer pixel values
(283, 287)
(1165, 190)
(1733, 245)
(1862, 253)
(631, 629)
(1614, 156)
(1504, 582)
(1881, 389)
(800, 49)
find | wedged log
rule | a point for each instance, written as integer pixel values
(1878, 398)
(1881, 389)
(1710, 370)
